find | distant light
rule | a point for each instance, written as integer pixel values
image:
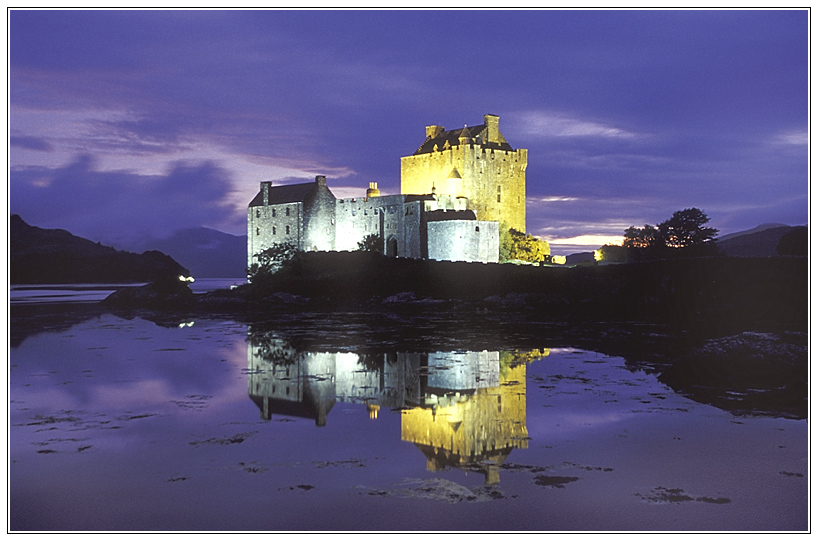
(186, 324)
(186, 278)
(597, 255)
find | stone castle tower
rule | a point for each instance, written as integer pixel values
(475, 162)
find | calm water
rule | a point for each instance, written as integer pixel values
(122, 424)
(84, 293)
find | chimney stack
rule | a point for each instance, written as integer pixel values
(433, 131)
(265, 193)
(492, 123)
(373, 190)
(321, 180)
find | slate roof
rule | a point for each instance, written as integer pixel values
(288, 193)
(445, 215)
(453, 138)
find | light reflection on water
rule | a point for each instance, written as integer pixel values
(123, 424)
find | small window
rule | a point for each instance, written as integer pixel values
(274, 213)
(287, 231)
(287, 212)
(258, 213)
(274, 230)
(498, 197)
(477, 228)
(258, 231)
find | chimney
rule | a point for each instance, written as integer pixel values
(492, 123)
(433, 131)
(265, 193)
(373, 190)
(321, 180)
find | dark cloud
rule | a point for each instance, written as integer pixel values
(31, 143)
(104, 205)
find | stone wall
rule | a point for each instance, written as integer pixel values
(273, 224)
(319, 219)
(395, 220)
(464, 240)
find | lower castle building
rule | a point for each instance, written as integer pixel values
(309, 217)
(457, 189)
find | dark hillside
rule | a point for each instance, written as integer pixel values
(758, 244)
(39, 256)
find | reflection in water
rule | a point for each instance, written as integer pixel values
(464, 409)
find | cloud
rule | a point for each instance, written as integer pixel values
(102, 204)
(31, 143)
(792, 137)
(549, 124)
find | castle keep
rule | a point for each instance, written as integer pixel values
(456, 191)
(476, 163)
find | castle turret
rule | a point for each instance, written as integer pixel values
(465, 136)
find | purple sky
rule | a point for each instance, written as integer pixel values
(125, 123)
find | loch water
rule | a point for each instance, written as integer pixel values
(118, 423)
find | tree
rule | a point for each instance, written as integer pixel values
(270, 261)
(645, 237)
(686, 229)
(611, 253)
(515, 245)
(370, 243)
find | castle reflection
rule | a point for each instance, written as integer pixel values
(463, 409)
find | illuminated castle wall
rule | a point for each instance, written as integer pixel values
(476, 163)
(457, 190)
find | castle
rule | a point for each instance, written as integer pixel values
(456, 190)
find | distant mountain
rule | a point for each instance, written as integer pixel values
(206, 252)
(761, 241)
(757, 229)
(55, 256)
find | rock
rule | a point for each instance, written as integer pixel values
(751, 372)
(168, 293)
